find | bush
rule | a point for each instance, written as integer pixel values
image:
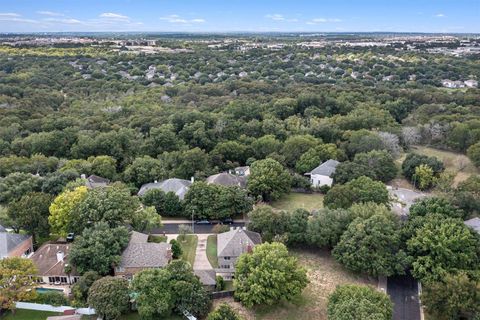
(220, 228)
(176, 249)
(219, 283)
(53, 298)
(324, 189)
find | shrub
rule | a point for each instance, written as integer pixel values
(219, 283)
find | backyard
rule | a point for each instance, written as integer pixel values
(189, 246)
(293, 200)
(212, 250)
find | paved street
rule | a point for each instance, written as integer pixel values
(172, 228)
(403, 291)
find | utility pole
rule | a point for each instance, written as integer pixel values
(193, 224)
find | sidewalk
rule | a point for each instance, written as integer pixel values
(189, 222)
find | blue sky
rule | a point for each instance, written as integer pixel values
(240, 15)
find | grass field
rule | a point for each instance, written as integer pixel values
(132, 316)
(324, 274)
(157, 239)
(28, 315)
(292, 201)
(212, 250)
(189, 246)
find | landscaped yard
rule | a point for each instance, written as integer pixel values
(189, 246)
(292, 201)
(28, 315)
(157, 239)
(324, 274)
(212, 250)
(132, 316)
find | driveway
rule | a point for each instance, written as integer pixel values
(172, 228)
(403, 199)
(403, 290)
(201, 260)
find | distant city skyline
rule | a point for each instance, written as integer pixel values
(430, 16)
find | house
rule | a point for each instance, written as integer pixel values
(228, 180)
(207, 278)
(94, 181)
(14, 244)
(141, 254)
(177, 186)
(242, 171)
(322, 175)
(474, 223)
(231, 244)
(452, 84)
(51, 260)
(471, 83)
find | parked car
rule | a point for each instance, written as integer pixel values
(70, 237)
(227, 221)
(202, 222)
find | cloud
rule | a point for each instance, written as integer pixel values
(114, 16)
(279, 17)
(15, 17)
(173, 18)
(9, 15)
(64, 21)
(50, 13)
(440, 15)
(323, 20)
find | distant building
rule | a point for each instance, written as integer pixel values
(232, 244)
(94, 181)
(227, 180)
(242, 171)
(177, 186)
(51, 260)
(471, 83)
(14, 244)
(452, 84)
(474, 224)
(141, 254)
(322, 175)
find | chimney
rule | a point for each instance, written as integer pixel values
(249, 248)
(192, 179)
(83, 176)
(60, 256)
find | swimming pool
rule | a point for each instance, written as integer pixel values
(44, 290)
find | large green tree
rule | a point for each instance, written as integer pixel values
(16, 185)
(16, 283)
(223, 312)
(268, 179)
(62, 209)
(326, 226)
(269, 222)
(109, 297)
(268, 275)
(81, 287)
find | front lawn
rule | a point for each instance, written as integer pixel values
(189, 247)
(292, 201)
(157, 239)
(212, 250)
(22, 314)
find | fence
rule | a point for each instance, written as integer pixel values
(47, 307)
(221, 294)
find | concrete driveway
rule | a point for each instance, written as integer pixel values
(403, 199)
(201, 260)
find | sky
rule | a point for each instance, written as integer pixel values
(453, 16)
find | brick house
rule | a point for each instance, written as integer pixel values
(15, 245)
(51, 260)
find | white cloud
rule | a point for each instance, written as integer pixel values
(440, 15)
(279, 17)
(63, 21)
(114, 16)
(9, 14)
(15, 17)
(174, 18)
(323, 20)
(50, 13)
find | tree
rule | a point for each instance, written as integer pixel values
(268, 222)
(109, 297)
(316, 155)
(297, 145)
(326, 226)
(363, 141)
(467, 195)
(104, 166)
(176, 249)
(99, 248)
(62, 209)
(17, 184)
(145, 219)
(473, 152)
(266, 145)
(183, 230)
(414, 160)
(372, 246)
(81, 287)
(55, 182)
(455, 297)
(268, 275)
(360, 190)
(143, 170)
(16, 283)
(359, 303)
(167, 204)
(268, 179)
(223, 312)
(297, 226)
(423, 177)
(441, 247)
(347, 171)
(30, 213)
(435, 205)
(380, 164)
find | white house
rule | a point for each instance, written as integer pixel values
(322, 175)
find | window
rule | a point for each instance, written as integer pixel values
(226, 258)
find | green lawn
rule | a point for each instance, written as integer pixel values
(21, 314)
(292, 201)
(133, 316)
(212, 250)
(189, 246)
(157, 239)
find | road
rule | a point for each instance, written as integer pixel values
(172, 228)
(403, 290)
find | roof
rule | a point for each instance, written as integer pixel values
(177, 186)
(47, 262)
(142, 254)
(2, 228)
(235, 242)
(325, 169)
(474, 223)
(94, 181)
(227, 179)
(207, 277)
(72, 317)
(9, 241)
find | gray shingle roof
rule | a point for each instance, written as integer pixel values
(177, 186)
(47, 262)
(227, 179)
(207, 277)
(474, 224)
(2, 228)
(94, 181)
(9, 241)
(142, 254)
(325, 169)
(235, 242)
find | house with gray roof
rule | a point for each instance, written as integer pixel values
(51, 260)
(323, 174)
(474, 224)
(232, 244)
(177, 186)
(14, 244)
(141, 254)
(94, 181)
(228, 180)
